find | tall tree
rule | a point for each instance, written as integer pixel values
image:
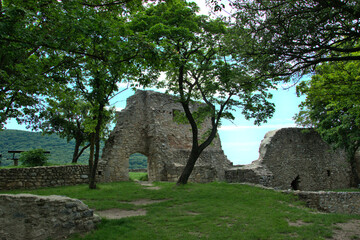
(293, 36)
(332, 106)
(39, 42)
(199, 67)
(121, 57)
(82, 43)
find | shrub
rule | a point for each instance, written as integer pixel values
(144, 178)
(140, 176)
(34, 157)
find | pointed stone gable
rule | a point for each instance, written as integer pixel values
(147, 126)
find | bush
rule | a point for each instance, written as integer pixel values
(144, 178)
(34, 157)
(141, 176)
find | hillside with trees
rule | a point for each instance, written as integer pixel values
(61, 151)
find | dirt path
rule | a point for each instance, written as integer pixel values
(116, 213)
(347, 231)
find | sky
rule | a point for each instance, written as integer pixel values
(240, 139)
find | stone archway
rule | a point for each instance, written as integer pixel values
(147, 126)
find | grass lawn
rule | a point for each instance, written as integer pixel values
(201, 211)
(141, 176)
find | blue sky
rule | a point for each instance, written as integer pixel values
(241, 141)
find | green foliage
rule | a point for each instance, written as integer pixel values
(33, 158)
(30, 51)
(290, 37)
(137, 161)
(201, 68)
(201, 211)
(141, 176)
(332, 105)
(61, 150)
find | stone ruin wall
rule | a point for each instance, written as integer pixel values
(291, 158)
(330, 202)
(147, 126)
(35, 177)
(26, 216)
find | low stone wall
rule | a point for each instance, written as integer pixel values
(35, 177)
(331, 202)
(26, 216)
(249, 174)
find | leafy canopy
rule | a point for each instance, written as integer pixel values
(200, 67)
(332, 105)
(293, 36)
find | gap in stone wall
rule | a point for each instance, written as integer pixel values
(295, 183)
(137, 162)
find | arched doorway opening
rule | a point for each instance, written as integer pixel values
(138, 167)
(295, 183)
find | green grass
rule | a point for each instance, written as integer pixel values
(201, 211)
(348, 190)
(141, 176)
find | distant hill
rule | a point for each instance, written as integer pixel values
(61, 150)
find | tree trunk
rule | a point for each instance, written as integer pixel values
(91, 161)
(81, 152)
(183, 179)
(92, 184)
(76, 150)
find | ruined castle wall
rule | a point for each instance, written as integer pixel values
(301, 160)
(294, 158)
(147, 126)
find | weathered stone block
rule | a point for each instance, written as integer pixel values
(26, 216)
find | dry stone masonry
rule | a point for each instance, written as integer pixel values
(26, 216)
(298, 159)
(147, 126)
(35, 177)
(331, 202)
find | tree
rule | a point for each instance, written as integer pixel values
(332, 106)
(292, 36)
(32, 60)
(121, 57)
(39, 42)
(65, 114)
(199, 67)
(84, 44)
